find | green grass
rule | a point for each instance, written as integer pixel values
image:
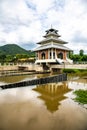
(70, 70)
(77, 72)
(81, 96)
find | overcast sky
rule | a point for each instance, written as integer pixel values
(24, 22)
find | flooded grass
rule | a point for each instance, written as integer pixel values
(81, 96)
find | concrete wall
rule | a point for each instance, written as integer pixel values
(39, 68)
(29, 67)
(44, 80)
(73, 66)
(8, 67)
(34, 67)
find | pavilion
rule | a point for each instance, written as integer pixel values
(52, 49)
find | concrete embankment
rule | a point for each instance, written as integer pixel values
(14, 70)
(28, 67)
(50, 79)
(8, 67)
(16, 73)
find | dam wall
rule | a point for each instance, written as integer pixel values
(38, 81)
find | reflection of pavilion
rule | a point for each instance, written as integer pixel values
(52, 94)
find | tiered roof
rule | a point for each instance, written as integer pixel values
(52, 41)
(52, 45)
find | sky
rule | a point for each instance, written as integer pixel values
(24, 22)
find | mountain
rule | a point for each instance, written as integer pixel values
(12, 49)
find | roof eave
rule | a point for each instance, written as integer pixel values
(51, 39)
(39, 49)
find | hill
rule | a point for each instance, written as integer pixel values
(12, 49)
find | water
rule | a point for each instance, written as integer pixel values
(42, 107)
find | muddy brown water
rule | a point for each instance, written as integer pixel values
(42, 107)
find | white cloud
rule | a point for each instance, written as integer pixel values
(42, 6)
(25, 21)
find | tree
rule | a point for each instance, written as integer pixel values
(9, 58)
(2, 57)
(81, 52)
(84, 58)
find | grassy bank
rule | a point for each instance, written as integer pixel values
(81, 96)
(80, 72)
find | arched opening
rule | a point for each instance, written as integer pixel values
(43, 55)
(60, 55)
(53, 55)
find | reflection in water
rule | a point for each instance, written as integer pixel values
(78, 80)
(52, 94)
(81, 80)
(44, 107)
(12, 79)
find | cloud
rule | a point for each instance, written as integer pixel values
(24, 21)
(42, 6)
(79, 38)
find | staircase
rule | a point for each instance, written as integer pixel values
(60, 61)
(69, 60)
